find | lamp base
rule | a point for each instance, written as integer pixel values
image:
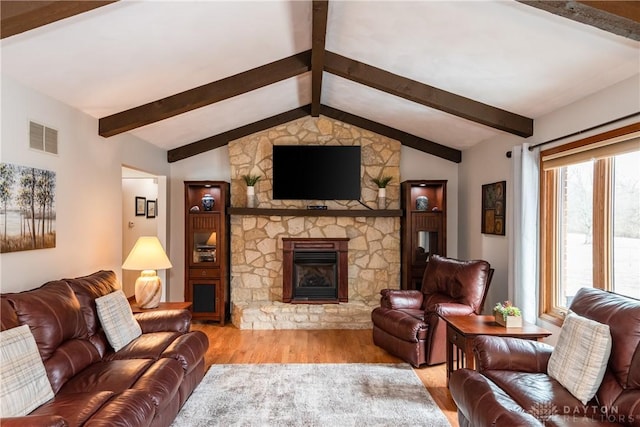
(148, 289)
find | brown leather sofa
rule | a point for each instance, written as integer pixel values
(408, 325)
(143, 384)
(512, 388)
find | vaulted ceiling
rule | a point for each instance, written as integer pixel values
(440, 76)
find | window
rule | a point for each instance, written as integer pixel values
(590, 218)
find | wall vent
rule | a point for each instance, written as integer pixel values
(43, 138)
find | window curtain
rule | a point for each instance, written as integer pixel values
(524, 233)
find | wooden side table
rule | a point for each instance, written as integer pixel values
(162, 306)
(461, 330)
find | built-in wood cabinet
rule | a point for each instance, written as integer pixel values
(207, 249)
(423, 227)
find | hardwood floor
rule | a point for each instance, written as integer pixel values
(231, 345)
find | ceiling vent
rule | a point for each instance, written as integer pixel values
(43, 138)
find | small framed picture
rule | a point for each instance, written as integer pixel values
(151, 208)
(141, 206)
(493, 212)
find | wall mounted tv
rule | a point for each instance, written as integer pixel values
(316, 172)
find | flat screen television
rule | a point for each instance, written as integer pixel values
(316, 172)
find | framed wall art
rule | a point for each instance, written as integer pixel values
(493, 208)
(28, 208)
(141, 206)
(151, 208)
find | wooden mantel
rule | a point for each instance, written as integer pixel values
(316, 212)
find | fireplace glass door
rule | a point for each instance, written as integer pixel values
(315, 275)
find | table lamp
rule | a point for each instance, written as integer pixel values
(147, 255)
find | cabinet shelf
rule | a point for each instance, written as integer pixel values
(316, 212)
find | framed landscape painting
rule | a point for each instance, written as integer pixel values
(493, 208)
(27, 208)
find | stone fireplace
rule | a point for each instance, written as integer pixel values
(258, 239)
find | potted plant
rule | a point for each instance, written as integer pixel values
(507, 315)
(251, 181)
(382, 182)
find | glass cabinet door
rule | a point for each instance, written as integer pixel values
(425, 244)
(204, 240)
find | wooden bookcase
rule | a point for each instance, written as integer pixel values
(207, 249)
(423, 229)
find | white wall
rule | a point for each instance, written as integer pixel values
(88, 187)
(486, 163)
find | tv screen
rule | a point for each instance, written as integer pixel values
(316, 172)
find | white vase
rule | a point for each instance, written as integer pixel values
(382, 198)
(251, 196)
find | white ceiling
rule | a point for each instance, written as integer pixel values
(502, 53)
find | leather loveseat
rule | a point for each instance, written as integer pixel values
(512, 387)
(143, 384)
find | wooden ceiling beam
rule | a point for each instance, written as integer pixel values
(405, 138)
(428, 95)
(617, 17)
(222, 139)
(318, 38)
(21, 16)
(205, 95)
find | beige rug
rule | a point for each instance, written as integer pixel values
(334, 395)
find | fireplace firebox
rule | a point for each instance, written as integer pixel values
(315, 270)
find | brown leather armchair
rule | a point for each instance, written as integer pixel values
(408, 325)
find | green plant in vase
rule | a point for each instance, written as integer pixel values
(382, 182)
(251, 181)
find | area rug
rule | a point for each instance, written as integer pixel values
(334, 395)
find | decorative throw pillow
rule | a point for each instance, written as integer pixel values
(117, 319)
(23, 380)
(579, 360)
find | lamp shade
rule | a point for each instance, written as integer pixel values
(147, 254)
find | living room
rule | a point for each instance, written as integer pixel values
(89, 223)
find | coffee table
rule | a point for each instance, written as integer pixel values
(461, 330)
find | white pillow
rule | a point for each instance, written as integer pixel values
(117, 319)
(23, 380)
(580, 358)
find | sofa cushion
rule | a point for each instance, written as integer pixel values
(75, 408)
(23, 380)
(580, 357)
(115, 375)
(146, 346)
(87, 289)
(53, 313)
(117, 319)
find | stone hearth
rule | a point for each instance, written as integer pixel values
(256, 240)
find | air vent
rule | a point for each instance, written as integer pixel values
(43, 138)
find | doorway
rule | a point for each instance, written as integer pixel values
(144, 213)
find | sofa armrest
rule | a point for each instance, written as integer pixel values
(452, 309)
(483, 403)
(164, 321)
(34, 421)
(511, 354)
(395, 299)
